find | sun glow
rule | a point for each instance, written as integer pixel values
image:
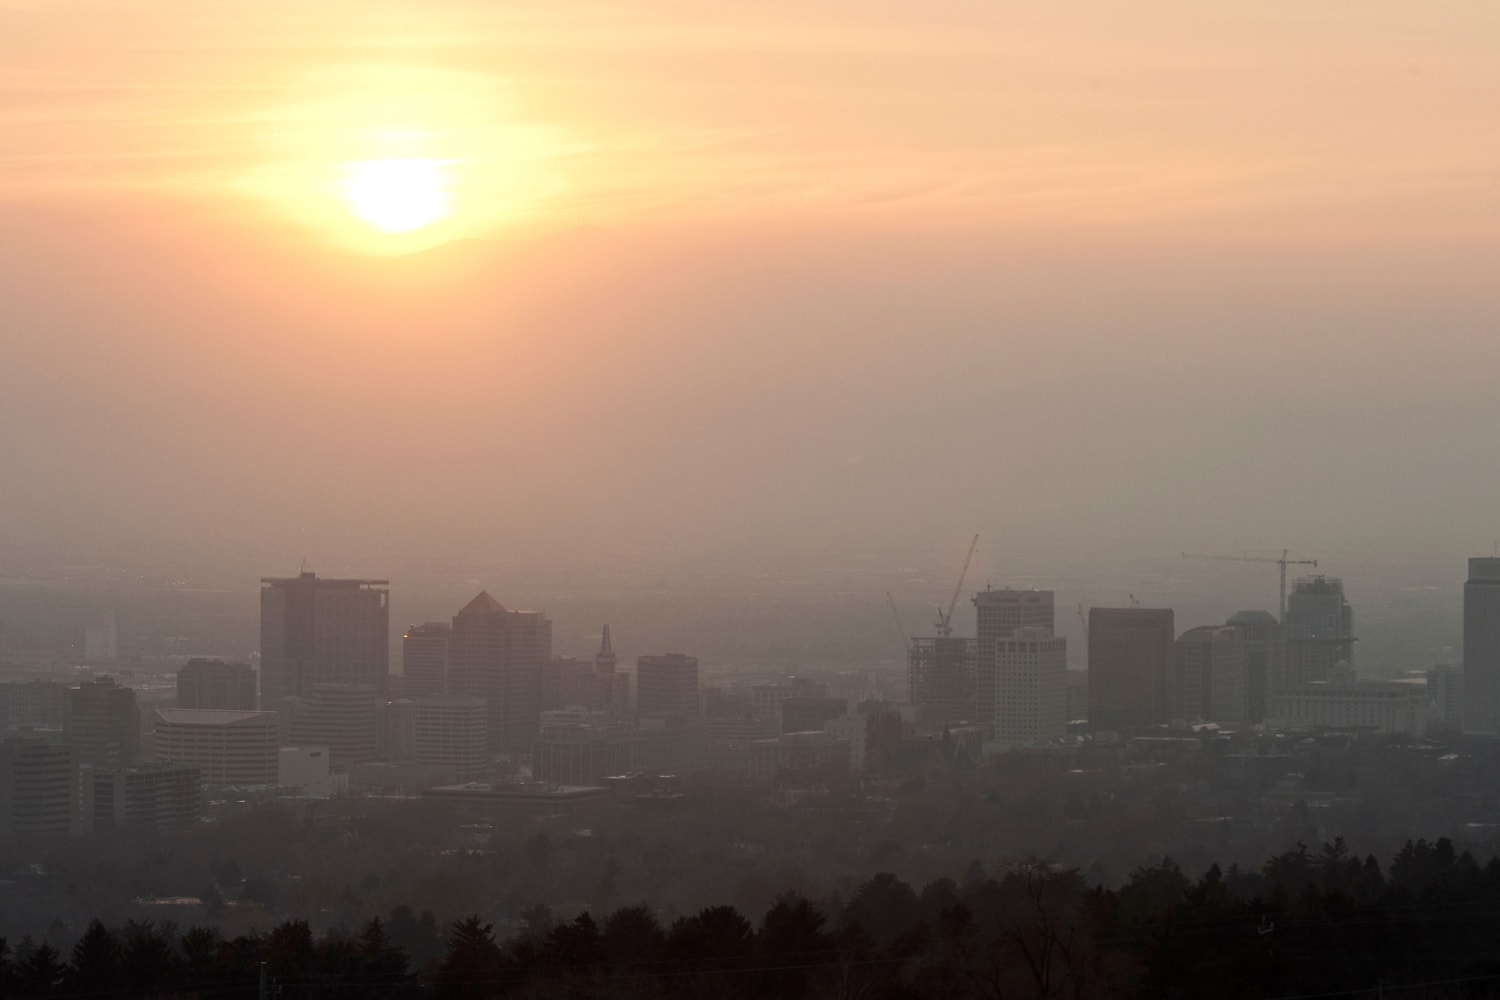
(398, 195)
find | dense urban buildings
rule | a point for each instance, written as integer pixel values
(499, 655)
(322, 631)
(1380, 706)
(1319, 630)
(219, 684)
(1130, 667)
(1481, 677)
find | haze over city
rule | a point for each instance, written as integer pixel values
(611, 498)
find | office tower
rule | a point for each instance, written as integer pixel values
(341, 717)
(998, 613)
(424, 659)
(216, 684)
(99, 645)
(38, 788)
(33, 705)
(1265, 660)
(316, 631)
(1130, 667)
(452, 731)
(104, 723)
(229, 749)
(666, 687)
(1319, 630)
(499, 655)
(1022, 686)
(940, 677)
(1481, 668)
(1445, 697)
(156, 796)
(1211, 675)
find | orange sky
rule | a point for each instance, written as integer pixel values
(1153, 270)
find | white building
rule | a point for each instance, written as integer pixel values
(1022, 687)
(228, 748)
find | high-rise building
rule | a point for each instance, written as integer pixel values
(1445, 697)
(316, 631)
(1211, 674)
(1022, 686)
(499, 655)
(1319, 630)
(341, 717)
(452, 731)
(998, 613)
(666, 687)
(38, 788)
(1130, 667)
(1481, 668)
(229, 749)
(216, 684)
(424, 659)
(1265, 660)
(104, 723)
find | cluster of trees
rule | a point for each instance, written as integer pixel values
(1306, 923)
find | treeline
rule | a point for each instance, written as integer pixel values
(1308, 923)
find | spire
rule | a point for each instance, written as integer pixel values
(604, 660)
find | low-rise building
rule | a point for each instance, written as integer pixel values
(155, 796)
(1380, 706)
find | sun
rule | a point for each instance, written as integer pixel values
(397, 195)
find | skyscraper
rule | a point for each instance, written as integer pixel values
(1319, 630)
(316, 631)
(1211, 674)
(424, 659)
(1020, 667)
(499, 655)
(1022, 686)
(1130, 667)
(998, 613)
(1481, 674)
(1265, 660)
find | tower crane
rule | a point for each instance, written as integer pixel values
(900, 628)
(945, 618)
(1283, 562)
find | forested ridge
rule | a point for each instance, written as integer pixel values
(1310, 922)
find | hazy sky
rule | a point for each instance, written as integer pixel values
(721, 277)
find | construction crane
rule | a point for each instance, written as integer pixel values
(900, 628)
(945, 618)
(1283, 562)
